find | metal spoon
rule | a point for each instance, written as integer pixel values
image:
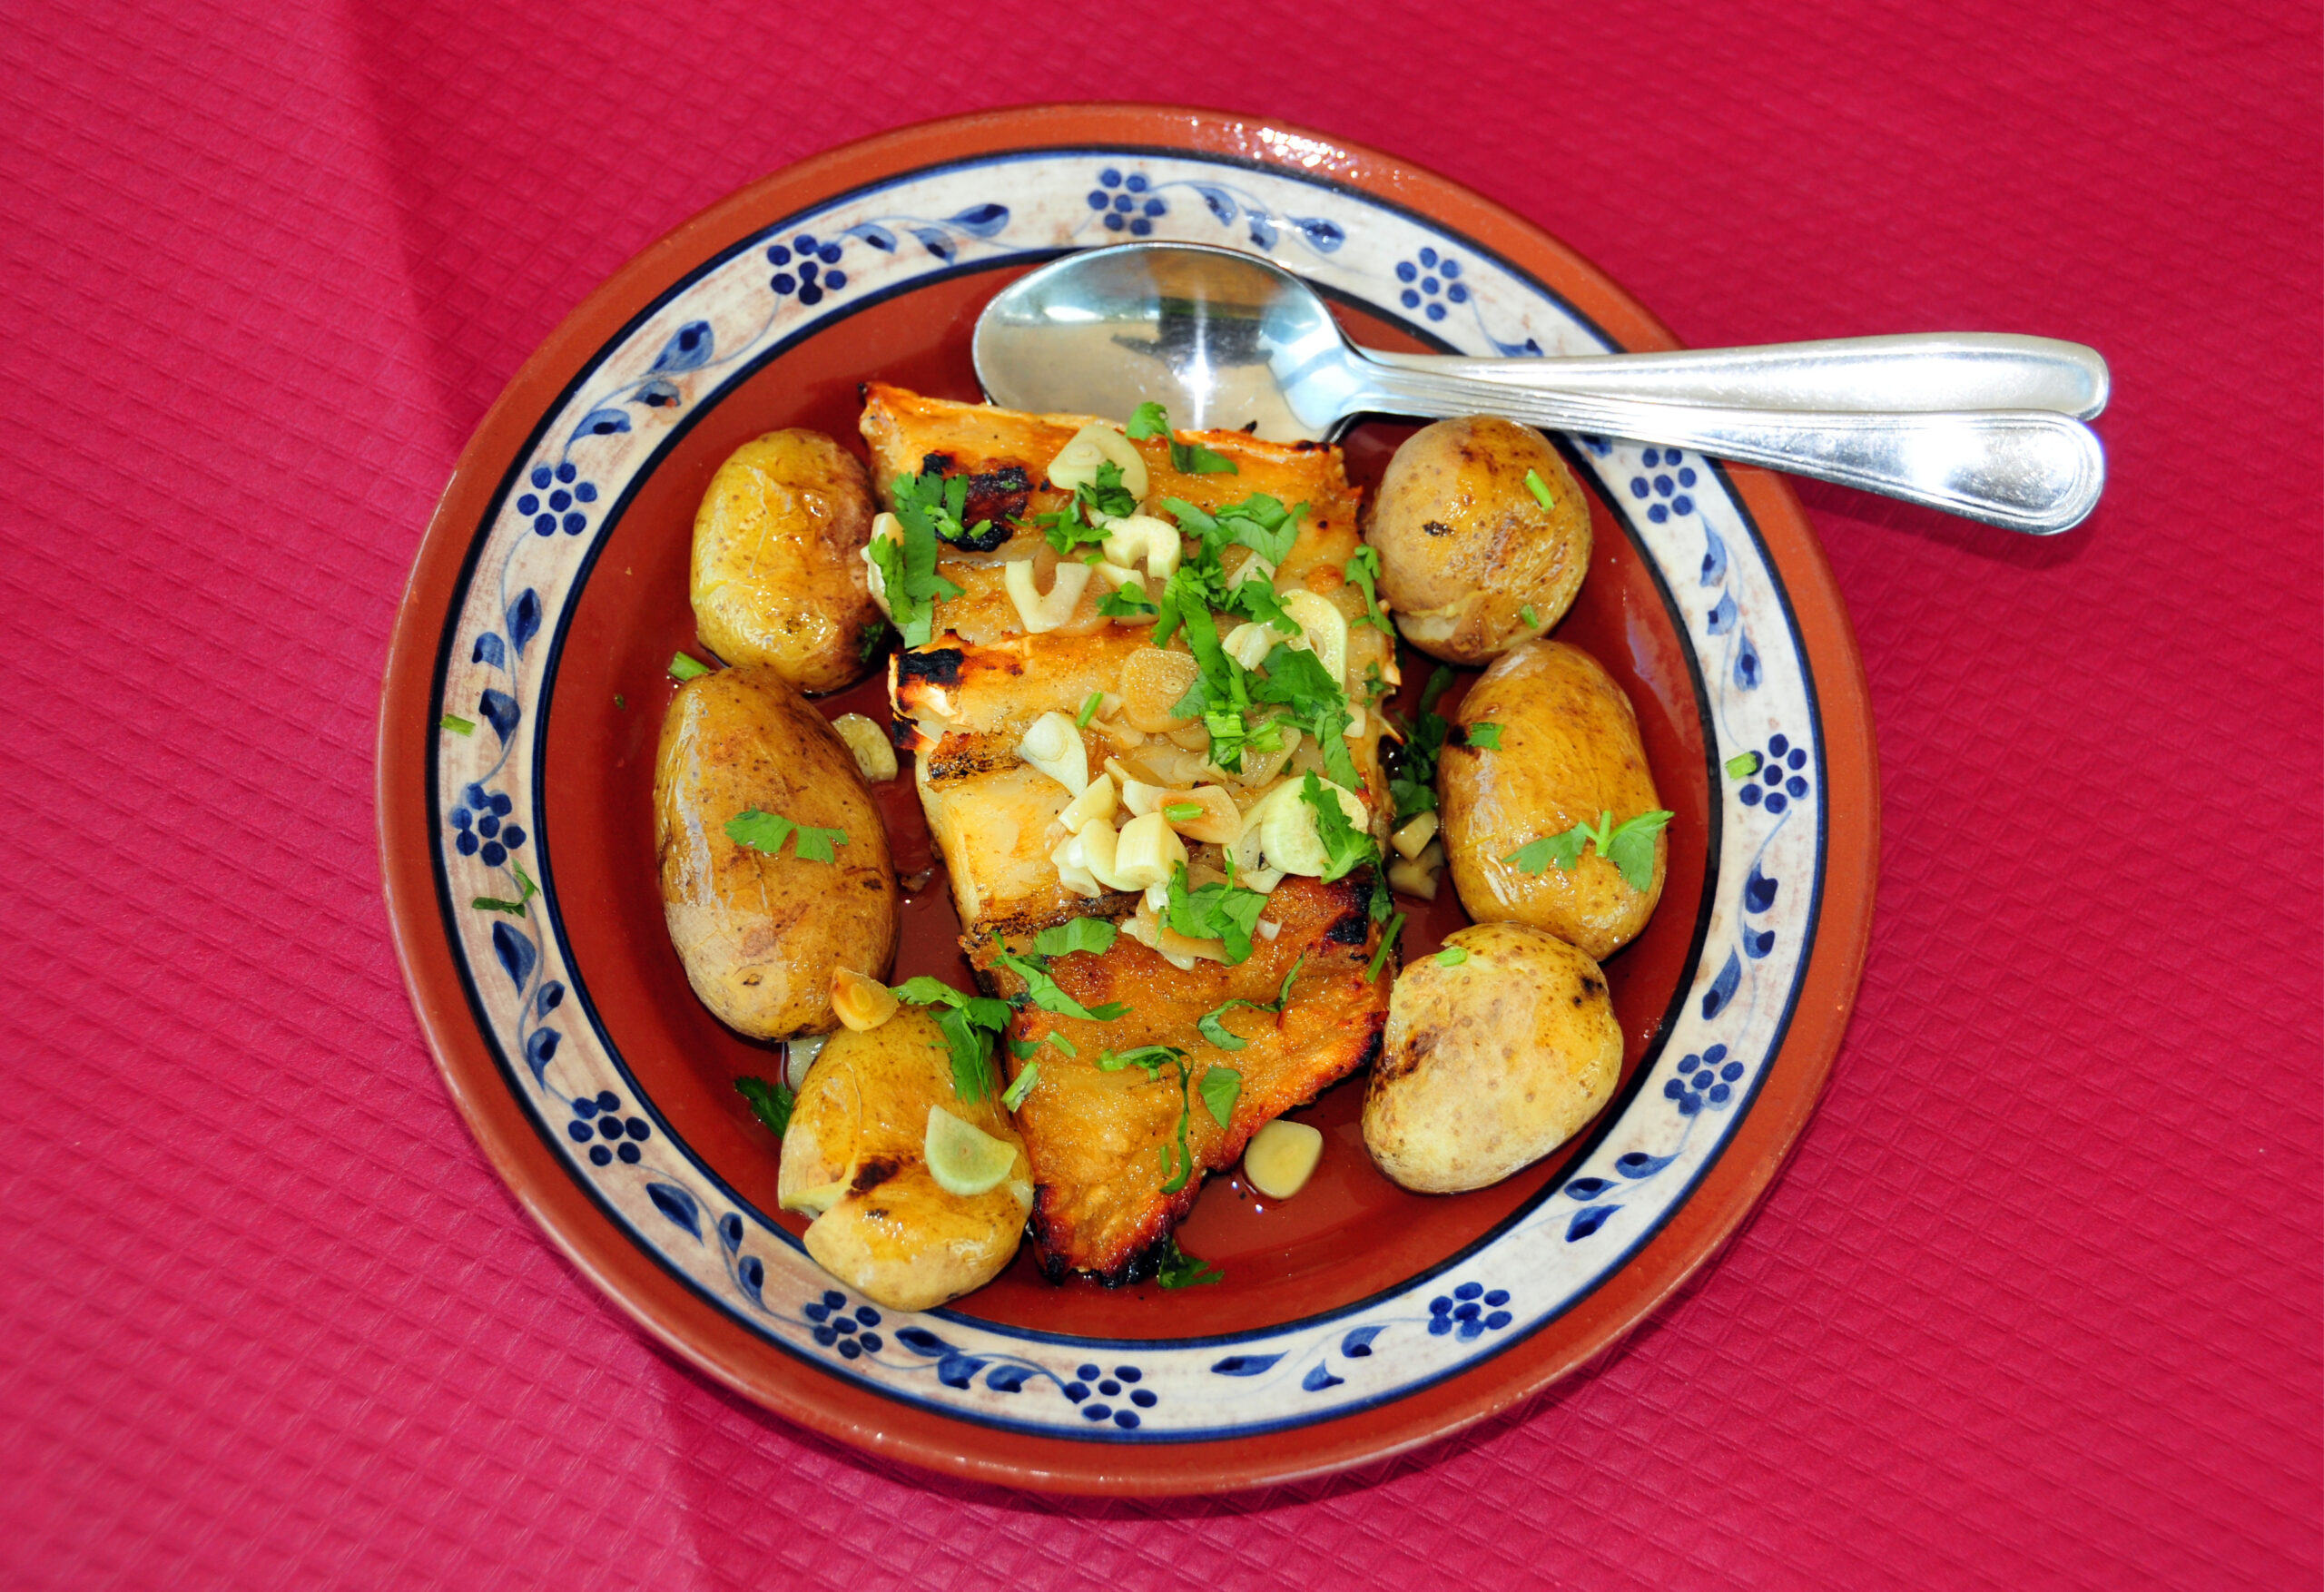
(1981, 424)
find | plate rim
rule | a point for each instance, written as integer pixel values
(1694, 1233)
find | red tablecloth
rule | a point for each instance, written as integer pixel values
(2036, 1305)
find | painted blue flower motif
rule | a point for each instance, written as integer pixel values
(1468, 1312)
(1092, 1388)
(479, 826)
(1775, 777)
(1128, 203)
(559, 500)
(805, 268)
(1705, 1080)
(1668, 489)
(599, 1116)
(849, 1333)
(1430, 283)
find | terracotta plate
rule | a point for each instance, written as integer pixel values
(1355, 1319)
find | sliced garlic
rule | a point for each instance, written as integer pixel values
(1282, 1158)
(862, 1003)
(1287, 832)
(1094, 805)
(1249, 644)
(1262, 880)
(799, 1056)
(1140, 796)
(1154, 679)
(963, 1159)
(888, 527)
(1266, 928)
(1324, 628)
(1219, 822)
(1044, 611)
(1141, 538)
(1414, 836)
(1181, 951)
(1260, 768)
(1148, 852)
(875, 755)
(1413, 878)
(1072, 860)
(1053, 745)
(1076, 465)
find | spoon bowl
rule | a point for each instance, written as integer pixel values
(1982, 425)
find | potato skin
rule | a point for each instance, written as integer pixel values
(893, 1233)
(1489, 1066)
(760, 935)
(1570, 750)
(1464, 547)
(777, 578)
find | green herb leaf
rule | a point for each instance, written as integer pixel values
(1540, 491)
(1181, 1270)
(1536, 856)
(1152, 1058)
(1533, 620)
(683, 668)
(1192, 458)
(908, 567)
(1014, 1096)
(1223, 911)
(1093, 935)
(1631, 848)
(1387, 943)
(967, 1023)
(1345, 847)
(1148, 420)
(619, 704)
(1451, 955)
(771, 1102)
(1182, 812)
(868, 642)
(930, 499)
(1126, 602)
(1485, 737)
(1221, 1086)
(495, 904)
(1212, 1025)
(766, 832)
(457, 725)
(1742, 765)
(1090, 706)
(1043, 991)
(1362, 570)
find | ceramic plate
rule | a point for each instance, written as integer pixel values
(1356, 1320)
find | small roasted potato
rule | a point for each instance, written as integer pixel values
(1466, 547)
(761, 932)
(854, 1158)
(1568, 751)
(1490, 1064)
(778, 577)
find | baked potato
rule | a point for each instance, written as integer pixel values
(1568, 752)
(1466, 548)
(778, 579)
(1492, 1062)
(760, 928)
(854, 1158)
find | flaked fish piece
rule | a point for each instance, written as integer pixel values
(1104, 1143)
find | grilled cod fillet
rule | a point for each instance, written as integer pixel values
(1099, 1141)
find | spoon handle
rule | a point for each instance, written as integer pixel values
(2023, 469)
(1946, 371)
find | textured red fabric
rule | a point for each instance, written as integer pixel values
(2037, 1304)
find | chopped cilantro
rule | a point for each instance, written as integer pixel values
(683, 668)
(1154, 1058)
(1219, 911)
(526, 889)
(1451, 955)
(459, 726)
(1532, 621)
(1043, 991)
(1148, 420)
(1540, 491)
(1220, 1088)
(1189, 458)
(1485, 737)
(1183, 811)
(1412, 785)
(770, 1102)
(1093, 935)
(1181, 1270)
(1212, 1025)
(907, 567)
(932, 499)
(1630, 847)
(967, 1022)
(1126, 602)
(868, 642)
(1014, 1096)
(1387, 943)
(1346, 847)
(766, 832)
(1362, 571)
(1742, 765)
(1090, 705)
